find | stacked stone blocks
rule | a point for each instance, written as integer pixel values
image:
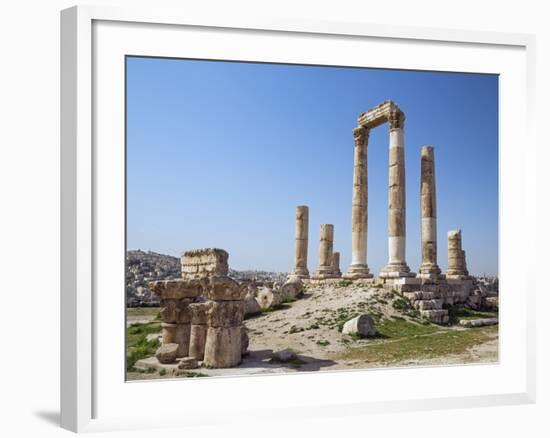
(202, 313)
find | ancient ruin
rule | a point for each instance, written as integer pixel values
(201, 313)
(300, 248)
(428, 268)
(326, 238)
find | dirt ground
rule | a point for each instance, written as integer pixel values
(311, 327)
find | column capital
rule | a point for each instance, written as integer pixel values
(361, 135)
(396, 119)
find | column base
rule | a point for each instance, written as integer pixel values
(429, 272)
(323, 273)
(396, 270)
(357, 271)
(301, 273)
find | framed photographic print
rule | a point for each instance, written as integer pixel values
(256, 208)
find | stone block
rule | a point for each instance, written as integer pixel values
(225, 314)
(175, 311)
(176, 289)
(223, 347)
(198, 312)
(225, 289)
(188, 363)
(204, 263)
(167, 353)
(436, 316)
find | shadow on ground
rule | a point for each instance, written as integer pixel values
(262, 359)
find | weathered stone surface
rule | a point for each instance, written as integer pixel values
(223, 347)
(478, 322)
(198, 312)
(244, 340)
(197, 340)
(251, 306)
(362, 325)
(336, 264)
(188, 363)
(167, 353)
(326, 237)
(301, 241)
(176, 289)
(440, 316)
(292, 288)
(183, 332)
(204, 263)
(359, 207)
(268, 298)
(168, 333)
(225, 289)
(456, 259)
(428, 304)
(225, 314)
(175, 311)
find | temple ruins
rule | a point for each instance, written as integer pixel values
(202, 312)
(429, 290)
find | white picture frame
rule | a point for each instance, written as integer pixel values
(89, 391)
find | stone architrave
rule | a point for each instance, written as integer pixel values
(359, 208)
(301, 242)
(456, 260)
(429, 268)
(336, 264)
(326, 239)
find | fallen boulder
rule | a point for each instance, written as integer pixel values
(167, 353)
(362, 325)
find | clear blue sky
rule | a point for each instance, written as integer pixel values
(219, 154)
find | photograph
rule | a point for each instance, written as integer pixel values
(290, 218)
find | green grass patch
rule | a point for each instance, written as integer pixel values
(153, 312)
(344, 283)
(400, 328)
(458, 313)
(439, 343)
(323, 343)
(137, 345)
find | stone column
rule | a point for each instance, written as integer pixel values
(359, 207)
(336, 264)
(429, 268)
(225, 314)
(175, 298)
(456, 262)
(397, 266)
(199, 328)
(301, 242)
(325, 252)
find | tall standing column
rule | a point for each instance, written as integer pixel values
(429, 268)
(326, 239)
(359, 208)
(397, 266)
(301, 242)
(456, 260)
